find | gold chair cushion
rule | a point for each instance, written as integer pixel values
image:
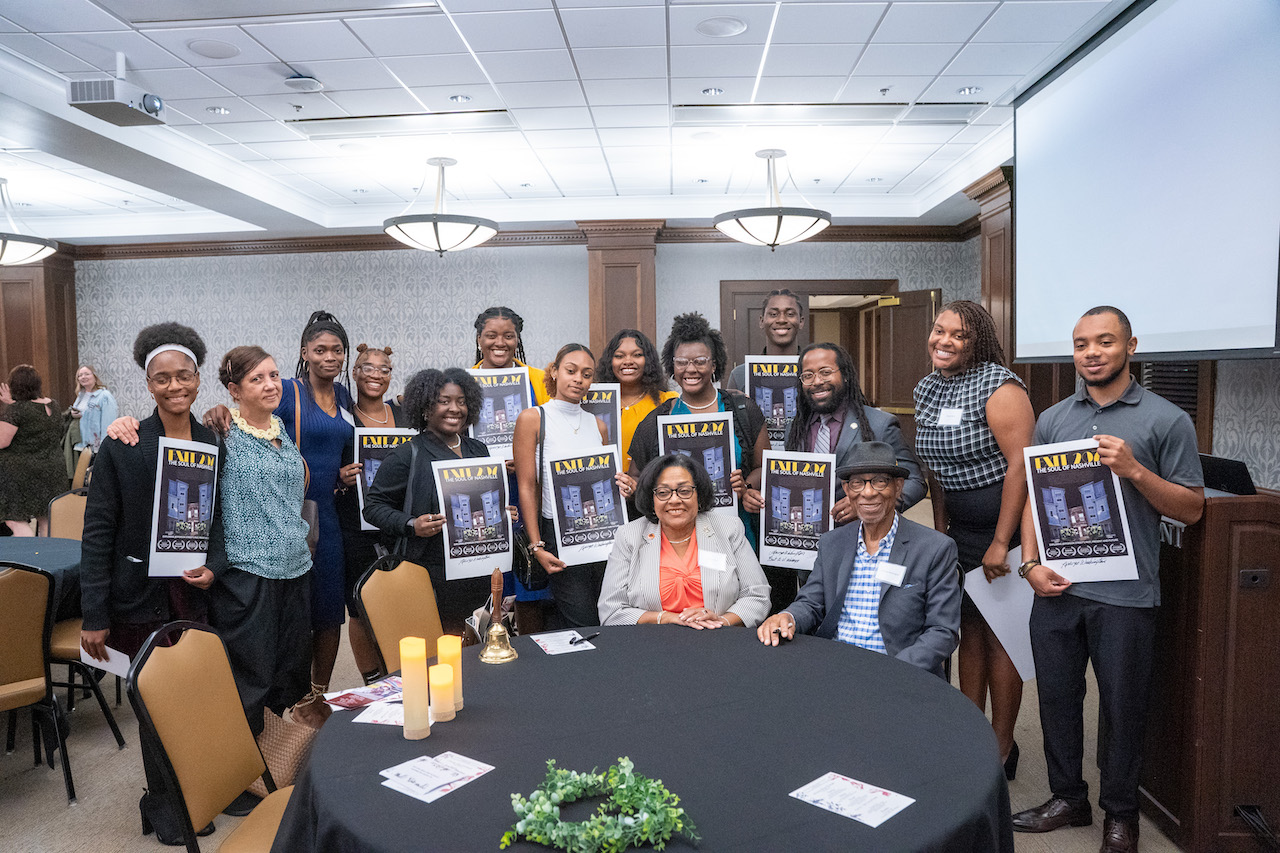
(20, 694)
(64, 642)
(256, 832)
(401, 603)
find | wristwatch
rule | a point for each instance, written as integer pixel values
(1027, 566)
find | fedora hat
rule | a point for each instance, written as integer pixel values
(871, 457)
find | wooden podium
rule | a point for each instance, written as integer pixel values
(1213, 734)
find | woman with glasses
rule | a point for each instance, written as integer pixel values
(973, 419)
(681, 564)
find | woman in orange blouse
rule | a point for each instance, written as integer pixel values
(680, 564)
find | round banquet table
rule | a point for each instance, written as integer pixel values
(729, 725)
(58, 557)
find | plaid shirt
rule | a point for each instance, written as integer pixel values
(859, 622)
(965, 456)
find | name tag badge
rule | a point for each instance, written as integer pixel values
(891, 573)
(713, 560)
(950, 417)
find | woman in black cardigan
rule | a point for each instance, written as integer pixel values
(440, 405)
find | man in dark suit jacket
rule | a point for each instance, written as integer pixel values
(884, 583)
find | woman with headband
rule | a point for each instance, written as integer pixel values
(122, 605)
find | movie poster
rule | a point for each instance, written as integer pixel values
(799, 492)
(182, 513)
(707, 439)
(504, 394)
(373, 446)
(477, 532)
(589, 506)
(1081, 524)
(773, 381)
(604, 400)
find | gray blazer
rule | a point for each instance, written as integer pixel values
(919, 621)
(631, 575)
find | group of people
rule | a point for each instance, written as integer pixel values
(880, 581)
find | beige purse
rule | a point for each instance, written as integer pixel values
(285, 745)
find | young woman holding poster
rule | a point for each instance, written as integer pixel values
(565, 429)
(500, 344)
(122, 605)
(631, 360)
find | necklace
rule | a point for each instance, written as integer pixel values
(578, 425)
(627, 405)
(679, 541)
(385, 415)
(707, 406)
(271, 433)
(456, 444)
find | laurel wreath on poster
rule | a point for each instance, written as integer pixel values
(636, 811)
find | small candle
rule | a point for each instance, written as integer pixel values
(449, 650)
(441, 676)
(413, 674)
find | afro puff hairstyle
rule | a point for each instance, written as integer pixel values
(693, 328)
(167, 333)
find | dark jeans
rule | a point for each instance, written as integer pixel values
(1067, 632)
(577, 588)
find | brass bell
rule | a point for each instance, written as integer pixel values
(497, 645)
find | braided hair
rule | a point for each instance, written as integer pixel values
(423, 387)
(851, 397)
(693, 328)
(652, 382)
(501, 312)
(320, 323)
(980, 329)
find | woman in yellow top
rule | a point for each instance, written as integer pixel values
(500, 344)
(631, 360)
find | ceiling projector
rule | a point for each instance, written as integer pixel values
(117, 101)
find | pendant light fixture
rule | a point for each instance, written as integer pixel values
(16, 248)
(439, 231)
(775, 225)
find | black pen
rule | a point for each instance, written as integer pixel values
(577, 640)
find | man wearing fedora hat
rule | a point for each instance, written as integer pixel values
(883, 582)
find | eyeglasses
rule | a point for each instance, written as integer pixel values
(857, 484)
(700, 361)
(182, 377)
(809, 377)
(373, 370)
(663, 493)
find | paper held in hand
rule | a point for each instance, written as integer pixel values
(709, 441)
(182, 512)
(477, 530)
(589, 509)
(504, 394)
(1078, 507)
(373, 446)
(799, 490)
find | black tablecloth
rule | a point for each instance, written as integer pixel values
(58, 557)
(729, 725)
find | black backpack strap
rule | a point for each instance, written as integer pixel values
(738, 403)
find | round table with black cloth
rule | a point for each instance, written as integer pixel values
(729, 725)
(58, 557)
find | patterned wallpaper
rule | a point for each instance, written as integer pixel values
(1246, 417)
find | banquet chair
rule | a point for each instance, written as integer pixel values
(26, 619)
(188, 708)
(66, 514)
(396, 600)
(82, 468)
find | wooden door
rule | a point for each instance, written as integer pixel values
(898, 329)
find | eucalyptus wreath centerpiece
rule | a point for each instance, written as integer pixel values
(636, 811)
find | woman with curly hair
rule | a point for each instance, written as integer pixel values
(631, 360)
(31, 464)
(500, 344)
(440, 405)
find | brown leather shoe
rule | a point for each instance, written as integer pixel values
(1054, 814)
(1119, 836)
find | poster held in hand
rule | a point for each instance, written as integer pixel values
(604, 400)
(372, 447)
(477, 530)
(589, 508)
(773, 381)
(709, 441)
(799, 491)
(182, 512)
(1080, 520)
(504, 394)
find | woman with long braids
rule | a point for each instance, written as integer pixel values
(631, 360)
(973, 419)
(500, 344)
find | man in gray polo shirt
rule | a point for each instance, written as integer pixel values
(1150, 445)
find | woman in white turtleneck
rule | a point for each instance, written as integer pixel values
(569, 429)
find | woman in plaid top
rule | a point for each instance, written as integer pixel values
(973, 419)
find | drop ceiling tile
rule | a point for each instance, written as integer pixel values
(866, 90)
(263, 79)
(917, 23)
(946, 88)
(1039, 21)
(449, 70)
(953, 151)
(615, 27)
(294, 107)
(178, 83)
(35, 48)
(613, 63)
(437, 98)
(198, 108)
(685, 20)
(456, 6)
(511, 30)
(271, 167)
(53, 16)
(798, 90)
(817, 60)
(826, 23)
(99, 49)
(7, 26)
(688, 90)
(548, 139)
(377, 102)
(637, 161)
(201, 133)
(626, 92)
(1019, 59)
(291, 151)
(974, 133)
(646, 116)
(558, 160)
(178, 43)
(548, 94)
(905, 59)
(527, 66)
(924, 133)
(553, 119)
(655, 136)
(240, 152)
(407, 35)
(349, 74)
(720, 60)
(994, 115)
(308, 41)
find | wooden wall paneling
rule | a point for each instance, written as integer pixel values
(38, 322)
(994, 194)
(17, 318)
(621, 277)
